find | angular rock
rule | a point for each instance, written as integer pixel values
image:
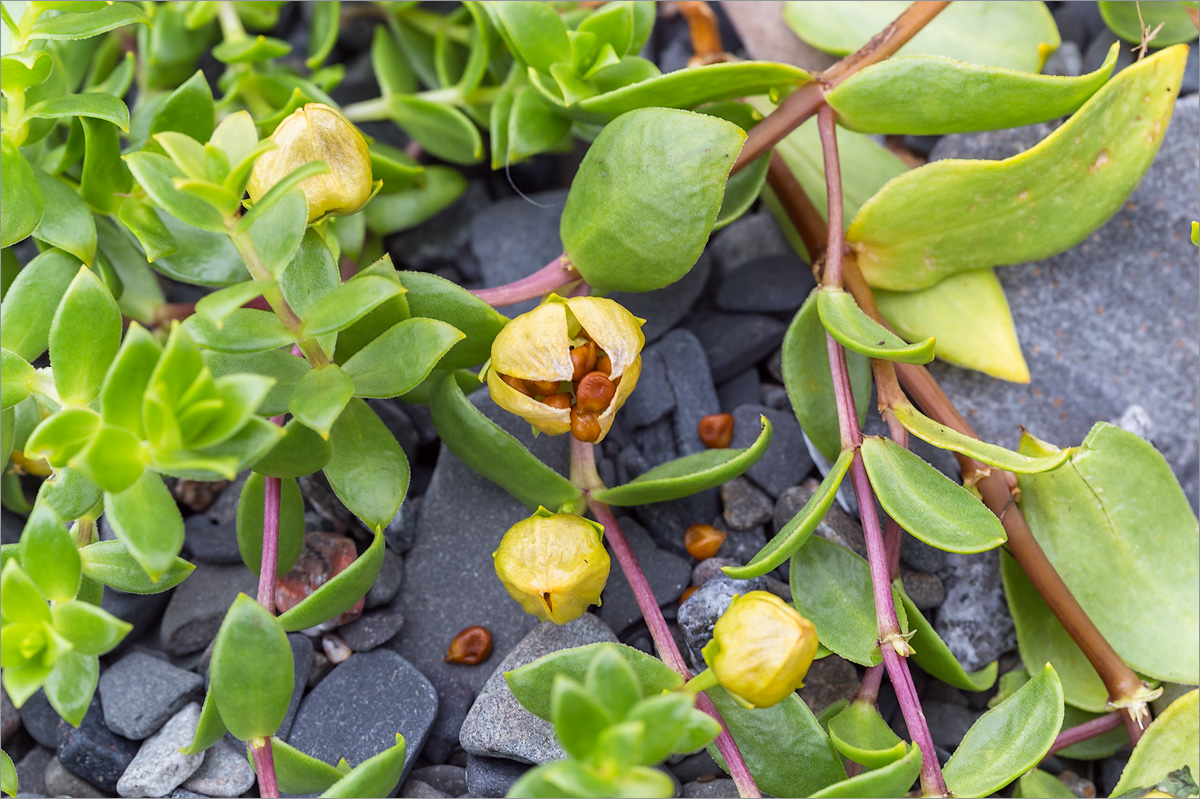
(401, 531)
(731, 341)
(828, 680)
(707, 569)
(699, 766)
(463, 518)
(668, 521)
(746, 507)
(94, 752)
(323, 557)
(667, 572)
(31, 770)
(40, 720)
(948, 723)
(492, 776)
(387, 584)
(372, 630)
(198, 605)
(663, 308)
(10, 719)
(506, 258)
(653, 398)
(1080, 372)
(140, 692)
(454, 702)
(920, 556)
(319, 496)
(497, 725)
(357, 710)
(449, 780)
(443, 240)
(786, 462)
(60, 782)
(924, 589)
(691, 380)
(771, 284)
(141, 610)
(721, 787)
(302, 661)
(211, 536)
(744, 388)
(224, 772)
(159, 766)
(700, 611)
(974, 620)
(740, 545)
(418, 789)
(752, 236)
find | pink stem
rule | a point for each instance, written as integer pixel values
(264, 767)
(551, 277)
(833, 183)
(1082, 732)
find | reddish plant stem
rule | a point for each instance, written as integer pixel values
(583, 473)
(551, 277)
(264, 767)
(1082, 732)
(891, 642)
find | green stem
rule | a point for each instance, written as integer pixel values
(231, 23)
(368, 110)
(701, 682)
(432, 24)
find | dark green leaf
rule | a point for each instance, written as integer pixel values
(324, 32)
(31, 300)
(89, 23)
(1038, 783)
(244, 330)
(383, 317)
(188, 109)
(647, 194)
(287, 370)
(435, 297)
(146, 519)
(48, 555)
(8, 780)
(19, 193)
(845, 321)
(347, 304)
(892, 780)
(203, 258)
(861, 735)
(320, 397)
(251, 670)
(71, 684)
(928, 504)
(142, 221)
(495, 454)
(1009, 739)
(1126, 22)
(300, 773)
(109, 563)
(84, 338)
(535, 33)
(377, 776)
(389, 65)
(689, 474)
(793, 535)
(250, 526)
(251, 50)
(70, 227)
(368, 471)
(375, 370)
(90, 630)
(534, 126)
(105, 174)
(441, 129)
(809, 380)
(944, 437)
(935, 658)
(392, 165)
(89, 104)
(210, 729)
(299, 453)
(339, 593)
(391, 213)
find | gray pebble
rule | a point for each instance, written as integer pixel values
(667, 572)
(371, 630)
(712, 789)
(387, 584)
(140, 692)
(746, 507)
(700, 611)
(492, 776)
(974, 620)
(731, 341)
(198, 605)
(225, 772)
(159, 766)
(450, 780)
(786, 461)
(60, 782)
(771, 284)
(302, 661)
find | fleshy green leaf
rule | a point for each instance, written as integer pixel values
(285, 368)
(19, 71)
(210, 729)
(86, 24)
(339, 593)
(895, 779)
(70, 227)
(84, 338)
(19, 193)
(1038, 783)
(853, 329)
(219, 304)
(110, 563)
(928, 504)
(368, 471)
(861, 735)
(244, 330)
(1124, 20)
(113, 459)
(324, 33)
(320, 397)
(1017, 36)
(188, 109)
(281, 189)
(377, 372)
(809, 380)
(578, 717)
(251, 670)
(31, 300)
(347, 304)
(202, 258)
(98, 105)
(71, 684)
(968, 316)
(953, 215)
(90, 630)
(300, 773)
(377, 776)
(832, 588)
(930, 95)
(127, 379)
(105, 174)
(793, 535)
(251, 50)
(435, 297)
(143, 222)
(48, 555)
(250, 527)
(1100, 508)
(59, 437)
(1009, 739)
(934, 657)
(647, 194)
(535, 33)
(944, 437)
(146, 519)
(441, 129)
(300, 452)
(157, 174)
(1170, 743)
(689, 474)
(69, 493)
(493, 453)
(8, 775)
(17, 376)
(391, 213)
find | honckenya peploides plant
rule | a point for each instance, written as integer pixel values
(181, 145)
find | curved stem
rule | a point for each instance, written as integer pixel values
(553, 276)
(1082, 732)
(583, 474)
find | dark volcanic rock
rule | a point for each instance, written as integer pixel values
(198, 605)
(974, 620)
(662, 309)
(140, 692)
(40, 719)
(302, 661)
(771, 284)
(94, 752)
(732, 341)
(492, 776)
(786, 462)
(667, 572)
(372, 630)
(515, 237)
(211, 536)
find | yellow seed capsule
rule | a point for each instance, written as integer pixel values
(554, 564)
(547, 344)
(317, 132)
(761, 649)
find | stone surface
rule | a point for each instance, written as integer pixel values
(224, 772)
(197, 606)
(663, 308)
(691, 380)
(668, 521)
(454, 702)
(497, 725)
(387, 584)
(356, 711)
(302, 661)
(141, 610)
(722, 787)
(418, 789)
(924, 589)
(504, 257)
(31, 770)
(700, 611)
(463, 518)
(492, 776)
(1067, 307)
(401, 531)
(140, 692)
(60, 782)
(94, 752)
(948, 723)
(974, 620)
(450, 780)
(752, 235)
(40, 720)
(10, 719)
(731, 341)
(653, 399)
(743, 388)
(372, 630)
(667, 572)
(211, 536)
(698, 766)
(837, 526)
(829, 679)
(746, 507)
(444, 240)
(772, 284)
(786, 462)
(159, 766)
(707, 569)
(919, 555)
(740, 545)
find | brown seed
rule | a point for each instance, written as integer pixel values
(687, 592)
(703, 541)
(583, 358)
(470, 647)
(516, 383)
(584, 426)
(604, 364)
(594, 393)
(542, 388)
(716, 430)
(562, 401)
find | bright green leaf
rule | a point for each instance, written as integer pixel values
(146, 519)
(244, 330)
(892, 780)
(944, 437)
(188, 109)
(250, 525)
(1125, 20)
(861, 735)
(300, 773)
(1170, 743)
(110, 563)
(375, 370)
(19, 193)
(86, 24)
(48, 555)
(377, 776)
(70, 227)
(340, 592)
(853, 329)
(84, 338)
(251, 670)
(90, 630)
(435, 297)
(71, 684)
(935, 658)
(31, 300)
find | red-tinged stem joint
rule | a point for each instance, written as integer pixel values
(554, 276)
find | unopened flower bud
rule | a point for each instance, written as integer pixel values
(317, 132)
(592, 344)
(761, 649)
(554, 564)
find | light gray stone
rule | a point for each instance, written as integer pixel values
(974, 620)
(710, 789)
(492, 776)
(746, 507)
(225, 772)
(60, 782)
(497, 725)
(159, 767)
